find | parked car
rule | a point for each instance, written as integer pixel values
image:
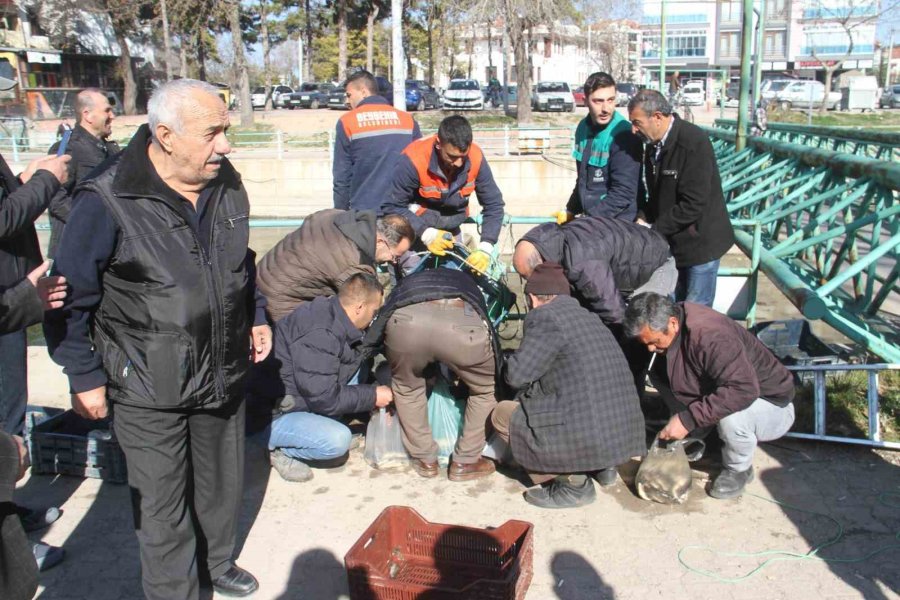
(258, 98)
(890, 97)
(732, 93)
(337, 99)
(624, 93)
(693, 94)
(280, 95)
(420, 95)
(310, 95)
(578, 95)
(807, 94)
(385, 89)
(463, 94)
(553, 95)
(772, 87)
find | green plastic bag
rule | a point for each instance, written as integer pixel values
(445, 416)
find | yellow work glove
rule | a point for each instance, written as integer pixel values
(479, 260)
(563, 217)
(437, 241)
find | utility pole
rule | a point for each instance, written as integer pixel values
(300, 58)
(760, 52)
(887, 78)
(746, 48)
(662, 48)
(397, 54)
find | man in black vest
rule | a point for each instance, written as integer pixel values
(439, 315)
(163, 321)
(89, 145)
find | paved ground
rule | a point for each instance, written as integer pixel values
(294, 536)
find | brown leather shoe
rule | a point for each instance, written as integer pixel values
(469, 471)
(425, 469)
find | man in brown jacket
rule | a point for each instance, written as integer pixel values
(325, 251)
(711, 371)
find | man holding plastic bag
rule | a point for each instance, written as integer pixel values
(439, 316)
(576, 413)
(319, 352)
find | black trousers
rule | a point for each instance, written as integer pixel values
(13, 382)
(185, 470)
(18, 570)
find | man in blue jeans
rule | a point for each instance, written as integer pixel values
(685, 201)
(318, 350)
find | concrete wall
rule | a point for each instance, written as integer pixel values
(295, 187)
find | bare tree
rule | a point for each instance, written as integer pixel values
(240, 62)
(848, 16)
(374, 8)
(342, 39)
(520, 18)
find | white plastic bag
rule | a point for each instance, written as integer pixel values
(384, 446)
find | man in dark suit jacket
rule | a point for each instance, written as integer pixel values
(576, 412)
(89, 146)
(685, 201)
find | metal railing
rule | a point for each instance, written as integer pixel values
(820, 403)
(829, 233)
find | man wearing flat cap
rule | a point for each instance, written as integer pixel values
(576, 412)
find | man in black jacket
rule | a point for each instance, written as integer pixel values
(88, 146)
(318, 352)
(606, 261)
(162, 321)
(685, 201)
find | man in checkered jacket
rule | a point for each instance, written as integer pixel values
(576, 412)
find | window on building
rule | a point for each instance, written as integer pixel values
(729, 45)
(776, 9)
(731, 11)
(679, 43)
(548, 47)
(774, 43)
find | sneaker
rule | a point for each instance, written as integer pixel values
(606, 477)
(47, 556)
(566, 491)
(290, 469)
(730, 484)
(39, 518)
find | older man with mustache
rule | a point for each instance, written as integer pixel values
(163, 322)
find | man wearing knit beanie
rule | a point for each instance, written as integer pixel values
(576, 412)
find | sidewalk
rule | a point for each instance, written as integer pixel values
(294, 536)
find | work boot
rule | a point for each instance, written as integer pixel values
(235, 582)
(425, 469)
(730, 484)
(469, 471)
(290, 469)
(35, 519)
(47, 556)
(566, 491)
(606, 477)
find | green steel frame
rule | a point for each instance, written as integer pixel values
(824, 229)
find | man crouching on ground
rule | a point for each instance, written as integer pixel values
(576, 412)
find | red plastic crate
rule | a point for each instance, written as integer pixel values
(401, 556)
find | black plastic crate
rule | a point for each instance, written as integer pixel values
(63, 444)
(793, 343)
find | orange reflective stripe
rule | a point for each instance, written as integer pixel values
(376, 119)
(430, 185)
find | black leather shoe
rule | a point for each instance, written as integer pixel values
(606, 477)
(38, 518)
(730, 484)
(235, 582)
(566, 491)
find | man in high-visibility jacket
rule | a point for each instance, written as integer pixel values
(368, 142)
(432, 183)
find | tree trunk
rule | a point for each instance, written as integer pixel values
(167, 42)
(521, 45)
(127, 72)
(342, 40)
(309, 43)
(429, 29)
(182, 56)
(201, 55)
(370, 38)
(264, 33)
(829, 73)
(240, 63)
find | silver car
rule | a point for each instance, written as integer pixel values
(890, 97)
